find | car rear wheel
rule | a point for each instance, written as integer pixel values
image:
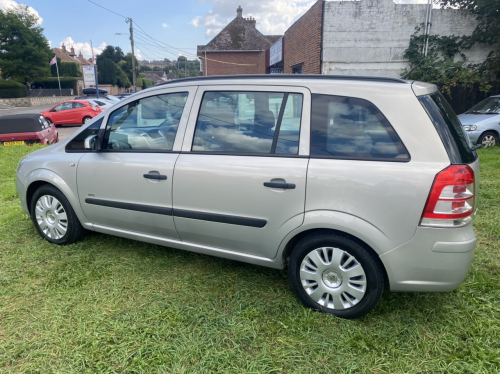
(488, 139)
(336, 275)
(86, 119)
(54, 218)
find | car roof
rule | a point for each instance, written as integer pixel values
(298, 77)
(17, 123)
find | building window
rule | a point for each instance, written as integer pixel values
(297, 69)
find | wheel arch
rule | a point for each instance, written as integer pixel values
(495, 132)
(40, 177)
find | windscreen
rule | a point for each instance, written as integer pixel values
(491, 105)
(450, 129)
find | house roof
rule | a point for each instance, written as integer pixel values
(240, 35)
(70, 56)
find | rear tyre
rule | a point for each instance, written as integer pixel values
(54, 218)
(86, 119)
(334, 274)
(488, 139)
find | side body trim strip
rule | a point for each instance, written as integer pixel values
(202, 216)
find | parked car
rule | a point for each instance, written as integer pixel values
(101, 97)
(350, 182)
(26, 129)
(482, 122)
(72, 112)
(103, 103)
(124, 95)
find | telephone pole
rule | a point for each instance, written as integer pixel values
(129, 20)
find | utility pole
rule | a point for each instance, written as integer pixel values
(129, 20)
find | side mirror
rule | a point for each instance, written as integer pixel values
(90, 143)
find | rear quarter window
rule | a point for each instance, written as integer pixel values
(352, 128)
(449, 128)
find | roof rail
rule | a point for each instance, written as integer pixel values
(288, 76)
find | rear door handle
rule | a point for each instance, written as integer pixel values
(155, 176)
(283, 185)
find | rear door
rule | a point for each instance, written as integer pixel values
(240, 180)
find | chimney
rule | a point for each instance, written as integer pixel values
(251, 22)
(63, 47)
(239, 12)
(80, 54)
(72, 50)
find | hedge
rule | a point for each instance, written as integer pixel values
(11, 89)
(66, 82)
(146, 83)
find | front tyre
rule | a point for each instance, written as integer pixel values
(488, 139)
(86, 119)
(54, 218)
(336, 275)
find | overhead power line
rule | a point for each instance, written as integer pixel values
(109, 10)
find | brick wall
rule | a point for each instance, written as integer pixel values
(255, 59)
(34, 101)
(303, 42)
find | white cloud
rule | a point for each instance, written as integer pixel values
(49, 42)
(164, 25)
(10, 4)
(273, 16)
(137, 53)
(83, 47)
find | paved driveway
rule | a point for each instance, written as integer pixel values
(64, 131)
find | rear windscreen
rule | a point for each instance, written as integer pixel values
(450, 129)
(19, 125)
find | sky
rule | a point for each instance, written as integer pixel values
(178, 26)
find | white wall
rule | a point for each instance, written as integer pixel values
(369, 37)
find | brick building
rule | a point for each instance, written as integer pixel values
(365, 37)
(238, 49)
(302, 54)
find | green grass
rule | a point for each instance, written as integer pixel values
(111, 305)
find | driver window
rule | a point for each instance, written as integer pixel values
(147, 124)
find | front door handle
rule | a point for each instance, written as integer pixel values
(283, 185)
(159, 177)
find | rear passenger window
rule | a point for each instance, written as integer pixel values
(347, 127)
(249, 122)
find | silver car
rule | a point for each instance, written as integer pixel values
(353, 183)
(482, 122)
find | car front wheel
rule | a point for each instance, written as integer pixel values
(334, 274)
(86, 119)
(488, 139)
(54, 218)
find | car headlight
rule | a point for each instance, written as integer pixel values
(21, 162)
(470, 128)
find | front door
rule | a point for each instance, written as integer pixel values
(240, 181)
(127, 185)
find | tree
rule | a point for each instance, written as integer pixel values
(127, 67)
(114, 54)
(144, 68)
(107, 72)
(487, 14)
(121, 78)
(24, 50)
(487, 30)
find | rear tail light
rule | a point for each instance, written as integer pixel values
(451, 200)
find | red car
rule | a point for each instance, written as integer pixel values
(29, 128)
(72, 112)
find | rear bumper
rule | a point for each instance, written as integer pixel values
(434, 260)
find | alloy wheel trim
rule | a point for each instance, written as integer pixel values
(488, 141)
(333, 278)
(51, 217)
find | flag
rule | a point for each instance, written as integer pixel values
(53, 61)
